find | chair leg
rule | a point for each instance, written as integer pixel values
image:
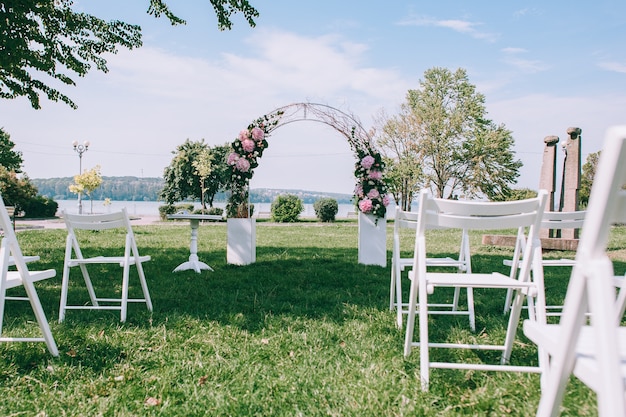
(64, 285)
(423, 332)
(41, 317)
(144, 286)
(470, 308)
(392, 287)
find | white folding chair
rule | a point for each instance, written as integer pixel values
(11, 255)
(74, 257)
(595, 353)
(555, 221)
(407, 221)
(475, 215)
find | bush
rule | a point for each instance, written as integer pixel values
(173, 209)
(211, 210)
(326, 209)
(41, 207)
(286, 208)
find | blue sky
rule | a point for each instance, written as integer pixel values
(543, 67)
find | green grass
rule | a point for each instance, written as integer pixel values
(306, 330)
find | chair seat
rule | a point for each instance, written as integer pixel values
(492, 280)
(547, 262)
(107, 260)
(548, 337)
(15, 280)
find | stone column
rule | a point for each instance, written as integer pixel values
(547, 180)
(571, 176)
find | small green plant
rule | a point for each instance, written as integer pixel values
(326, 209)
(211, 210)
(286, 208)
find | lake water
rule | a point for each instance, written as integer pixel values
(151, 208)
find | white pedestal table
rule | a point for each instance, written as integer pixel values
(194, 220)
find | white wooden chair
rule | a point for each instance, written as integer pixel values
(595, 353)
(475, 215)
(556, 221)
(11, 256)
(407, 221)
(129, 257)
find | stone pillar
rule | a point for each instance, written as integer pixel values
(571, 177)
(548, 175)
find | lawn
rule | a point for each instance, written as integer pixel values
(306, 330)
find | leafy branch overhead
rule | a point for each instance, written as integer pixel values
(44, 42)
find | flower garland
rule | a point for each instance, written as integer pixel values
(370, 191)
(247, 148)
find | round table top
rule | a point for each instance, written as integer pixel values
(190, 216)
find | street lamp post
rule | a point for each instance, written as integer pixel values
(80, 149)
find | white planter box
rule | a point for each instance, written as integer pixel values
(372, 240)
(241, 236)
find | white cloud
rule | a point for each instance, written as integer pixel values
(512, 58)
(153, 99)
(613, 66)
(461, 26)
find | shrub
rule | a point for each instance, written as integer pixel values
(326, 209)
(40, 206)
(211, 210)
(286, 208)
(172, 209)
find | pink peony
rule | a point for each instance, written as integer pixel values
(257, 133)
(244, 134)
(367, 162)
(386, 200)
(375, 175)
(358, 190)
(373, 194)
(232, 158)
(248, 145)
(242, 165)
(365, 205)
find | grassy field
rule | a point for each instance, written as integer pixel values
(303, 331)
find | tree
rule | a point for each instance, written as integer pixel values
(87, 182)
(16, 191)
(461, 152)
(10, 159)
(587, 176)
(42, 42)
(397, 140)
(183, 179)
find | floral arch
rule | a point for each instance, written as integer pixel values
(370, 192)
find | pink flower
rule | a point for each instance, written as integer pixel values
(367, 162)
(244, 134)
(375, 175)
(257, 133)
(358, 190)
(386, 200)
(373, 194)
(232, 158)
(365, 205)
(248, 145)
(242, 165)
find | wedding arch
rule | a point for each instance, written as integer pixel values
(370, 191)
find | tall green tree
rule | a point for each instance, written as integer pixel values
(44, 42)
(9, 158)
(588, 174)
(184, 181)
(16, 190)
(462, 153)
(397, 138)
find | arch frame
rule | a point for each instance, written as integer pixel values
(370, 193)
